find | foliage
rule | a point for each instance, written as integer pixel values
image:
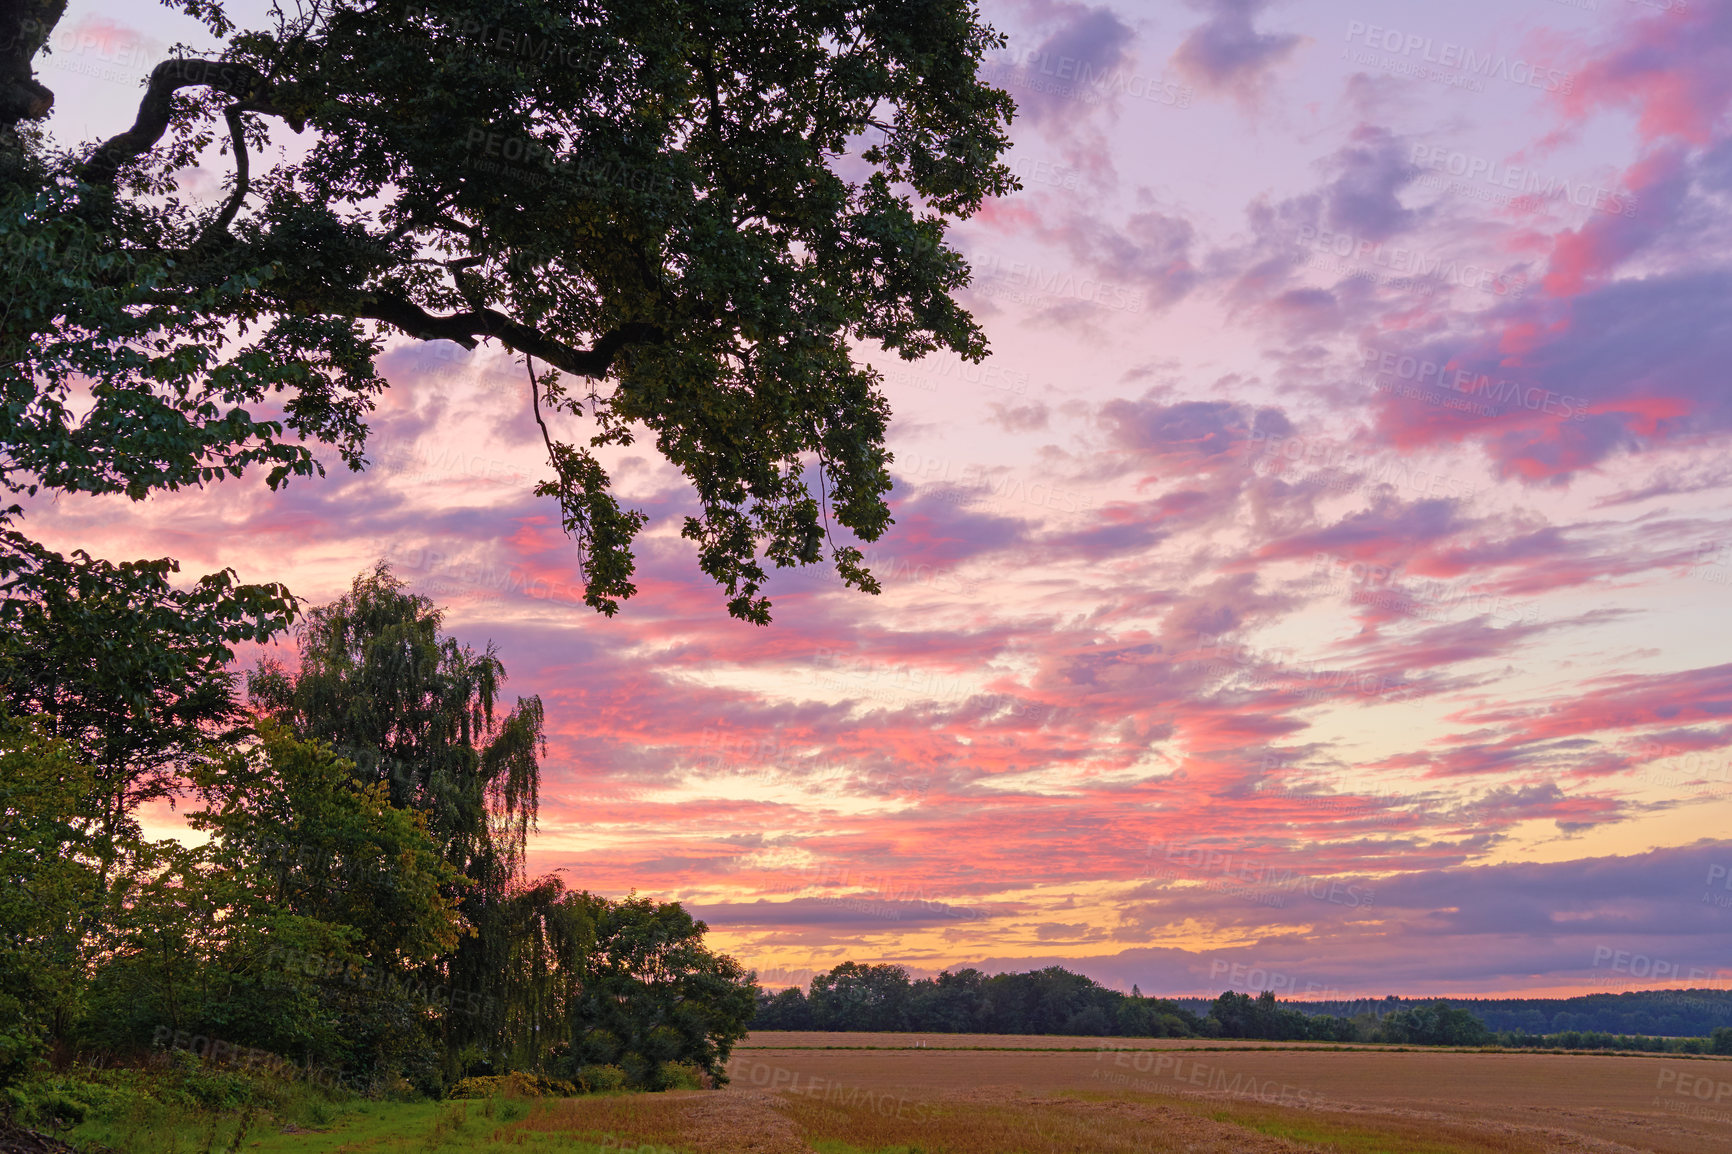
(701, 210)
(129, 669)
(601, 1079)
(228, 942)
(785, 1010)
(1241, 1016)
(859, 997)
(654, 994)
(1597, 1040)
(157, 1106)
(49, 887)
(1662, 1012)
(415, 710)
(418, 714)
(516, 1084)
(1438, 1024)
(1051, 1001)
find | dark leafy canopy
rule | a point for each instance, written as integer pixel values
(657, 195)
(1051, 1001)
(414, 708)
(129, 669)
(49, 885)
(309, 880)
(654, 994)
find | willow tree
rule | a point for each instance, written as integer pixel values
(417, 711)
(685, 216)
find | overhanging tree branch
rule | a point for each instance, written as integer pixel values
(237, 133)
(468, 327)
(242, 81)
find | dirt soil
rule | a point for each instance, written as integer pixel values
(1665, 1104)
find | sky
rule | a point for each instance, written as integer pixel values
(1323, 587)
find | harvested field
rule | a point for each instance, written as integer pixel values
(1421, 1100)
(888, 1099)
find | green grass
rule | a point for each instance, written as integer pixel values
(827, 1146)
(480, 1125)
(1334, 1136)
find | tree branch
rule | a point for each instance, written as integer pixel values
(467, 328)
(237, 133)
(25, 26)
(241, 81)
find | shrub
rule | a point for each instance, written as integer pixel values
(601, 1079)
(681, 1076)
(517, 1084)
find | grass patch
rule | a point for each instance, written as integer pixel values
(484, 1126)
(1385, 1136)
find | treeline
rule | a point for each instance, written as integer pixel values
(1658, 1013)
(1050, 1001)
(1055, 1001)
(359, 908)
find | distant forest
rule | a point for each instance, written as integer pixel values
(855, 997)
(1668, 1013)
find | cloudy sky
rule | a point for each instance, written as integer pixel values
(1324, 585)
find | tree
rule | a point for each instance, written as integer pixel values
(1436, 1024)
(701, 210)
(417, 714)
(860, 997)
(128, 669)
(784, 1010)
(653, 994)
(49, 866)
(303, 953)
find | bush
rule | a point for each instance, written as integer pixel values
(681, 1076)
(517, 1084)
(601, 1079)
